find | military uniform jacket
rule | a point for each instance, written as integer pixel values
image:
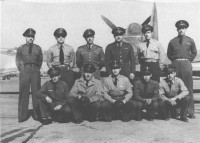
(122, 91)
(123, 53)
(58, 92)
(177, 89)
(144, 90)
(23, 57)
(93, 91)
(153, 51)
(94, 56)
(186, 50)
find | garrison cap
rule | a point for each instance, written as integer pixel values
(29, 33)
(118, 31)
(52, 72)
(115, 65)
(182, 24)
(168, 69)
(146, 70)
(88, 68)
(88, 33)
(146, 28)
(60, 32)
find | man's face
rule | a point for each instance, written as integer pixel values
(55, 78)
(148, 35)
(118, 38)
(147, 77)
(60, 40)
(181, 31)
(171, 76)
(90, 40)
(116, 72)
(30, 40)
(87, 76)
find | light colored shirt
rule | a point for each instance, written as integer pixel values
(154, 51)
(178, 89)
(122, 89)
(53, 54)
(93, 91)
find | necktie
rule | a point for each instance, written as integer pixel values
(115, 81)
(61, 56)
(147, 43)
(30, 49)
(181, 40)
(87, 82)
(170, 84)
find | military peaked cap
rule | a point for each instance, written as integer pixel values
(29, 33)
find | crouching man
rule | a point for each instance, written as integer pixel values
(146, 94)
(54, 99)
(118, 94)
(85, 96)
(174, 94)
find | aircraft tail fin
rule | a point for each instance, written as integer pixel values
(154, 22)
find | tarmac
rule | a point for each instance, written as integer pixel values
(31, 131)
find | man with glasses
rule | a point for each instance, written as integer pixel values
(29, 61)
(62, 56)
(181, 51)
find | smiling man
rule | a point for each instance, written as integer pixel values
(29, 61)
(181, 51)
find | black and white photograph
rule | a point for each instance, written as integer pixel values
(100, 71)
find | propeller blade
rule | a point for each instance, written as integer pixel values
(146, 21)
(108, 22)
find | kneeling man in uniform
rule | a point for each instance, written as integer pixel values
(118, 94)
(85, 96)
(146, 94)
(54, 99)
(175, 94)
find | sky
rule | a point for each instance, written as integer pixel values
(77, 16)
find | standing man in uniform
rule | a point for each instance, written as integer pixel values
(151, 53)
(181, 51)
(120, 51)
(118, 94)
(29, 61)
(62, 55)
(146, 94)
(85, 96)
(90, 53)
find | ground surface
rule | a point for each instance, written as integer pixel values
(157, 131)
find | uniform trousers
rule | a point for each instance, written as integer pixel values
(170, 111)
(150, 109)
(67, 75)
(29, 78)
(184, 72)
(84, 112)
(110, 111)
(62, 115)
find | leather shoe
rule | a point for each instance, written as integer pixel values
(78, 121)
(149, 118)
(184, 119)
(191, 116)
(46, 121)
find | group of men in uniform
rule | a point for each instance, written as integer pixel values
(118, 96)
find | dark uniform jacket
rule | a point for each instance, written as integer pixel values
(58, 92)
(186, 50)
(124, 54)
(94, 56)
(143, 91)
(23, 57)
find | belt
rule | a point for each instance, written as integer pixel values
(151, 60)
(30, 65)
(182, 59)
(60, 66)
